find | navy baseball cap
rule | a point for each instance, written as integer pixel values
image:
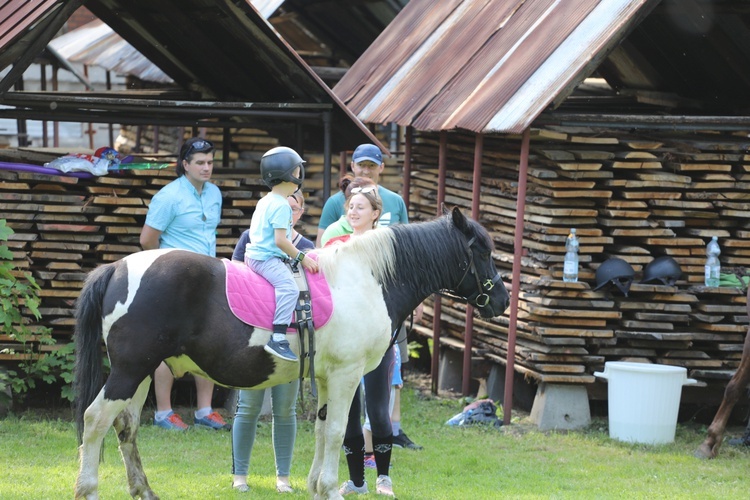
(365, 152)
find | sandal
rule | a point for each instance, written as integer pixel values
(284, 488)
(241, 487)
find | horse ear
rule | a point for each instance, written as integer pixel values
(459, 219)
(443, 209)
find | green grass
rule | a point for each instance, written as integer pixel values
(40, 461)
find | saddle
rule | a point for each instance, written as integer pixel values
(252, 299)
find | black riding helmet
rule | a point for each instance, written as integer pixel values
(664, 269)
(617, 271)
(278, 165)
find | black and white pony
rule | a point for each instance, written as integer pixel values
(171, 305)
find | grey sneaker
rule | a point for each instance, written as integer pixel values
(281, 349)
(384, 486)
(348, 488)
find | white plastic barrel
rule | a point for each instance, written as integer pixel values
(643, 400)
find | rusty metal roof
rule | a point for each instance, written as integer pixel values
(324, 33)
(221, 50)
(96, 44)
(481, 65)
(494, 66)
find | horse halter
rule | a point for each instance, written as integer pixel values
(479, 297)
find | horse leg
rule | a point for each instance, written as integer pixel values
(321, 420)
(97, 419)
(736, 386)
(341, 390)
(126, 425)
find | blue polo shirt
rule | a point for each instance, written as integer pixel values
(186, 219)
(271, 213)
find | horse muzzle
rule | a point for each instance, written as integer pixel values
(493, 300)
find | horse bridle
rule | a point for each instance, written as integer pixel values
(479, 297)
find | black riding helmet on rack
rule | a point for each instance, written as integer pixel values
(615, 271)
(278, 165)
(664, 269)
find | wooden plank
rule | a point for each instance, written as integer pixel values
(573, 332)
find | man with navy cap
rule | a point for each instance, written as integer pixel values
(367, 161)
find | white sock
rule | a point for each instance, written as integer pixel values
(278, 337)
(203, 412)
(161, 415)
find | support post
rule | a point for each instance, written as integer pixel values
(442, 168)
(326, 155)
(407, 168)
(516, 288)
(476, 193)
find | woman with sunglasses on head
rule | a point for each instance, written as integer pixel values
(185, 214)
(283, 396)
(360, 193)
(362, 211)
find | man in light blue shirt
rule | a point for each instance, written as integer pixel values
(185, 214)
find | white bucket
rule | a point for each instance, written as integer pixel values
(643, 400)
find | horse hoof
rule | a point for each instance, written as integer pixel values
(703, 453)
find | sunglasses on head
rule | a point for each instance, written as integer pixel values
(363, 190)
(199, 146)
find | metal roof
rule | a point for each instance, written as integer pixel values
(96, 44)
(494, 66)
(343, 29)
(219, 50)
(325, 33)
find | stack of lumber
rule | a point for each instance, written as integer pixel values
(66, 226)
(627, 197)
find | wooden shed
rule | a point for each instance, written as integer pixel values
(234, 74)
(624, 119)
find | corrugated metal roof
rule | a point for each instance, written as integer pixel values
(96, 44)
(17, 17)
(482, 65)
(20, 22)
(324, 33)
(221, 50)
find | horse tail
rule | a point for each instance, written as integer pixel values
(88, 375)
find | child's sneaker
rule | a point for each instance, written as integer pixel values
(370, 462)
(172, 422)
(212, 421)
(384, 486)
(281, 349)
(348, 488)
(401, 440)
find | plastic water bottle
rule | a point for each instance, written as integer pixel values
(713, 266)
(570, 265)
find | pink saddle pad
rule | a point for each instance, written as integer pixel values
(252, 299)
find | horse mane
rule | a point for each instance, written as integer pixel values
(420, 251)
(374, 250)
(428, 253)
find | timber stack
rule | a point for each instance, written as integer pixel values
(66, 226)
(632, 197)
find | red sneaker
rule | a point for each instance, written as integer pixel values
(212, 421)
(173, 422)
